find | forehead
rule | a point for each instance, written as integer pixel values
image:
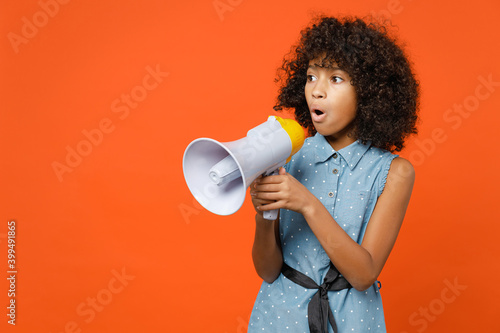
(323, 61)
(328, 64)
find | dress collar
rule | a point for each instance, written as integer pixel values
(351, 154)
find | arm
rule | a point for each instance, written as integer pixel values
(266, 251)
(360, 264)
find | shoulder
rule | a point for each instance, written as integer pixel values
(375, 156)
(401, 174)
(388, 168)
(401, 168)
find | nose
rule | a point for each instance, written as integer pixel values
(319, 89)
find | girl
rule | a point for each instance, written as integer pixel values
(344, 195)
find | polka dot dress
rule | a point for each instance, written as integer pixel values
(348, 183)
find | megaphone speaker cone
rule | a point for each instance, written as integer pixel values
(199, 160)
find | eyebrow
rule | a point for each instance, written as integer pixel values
(328, 67)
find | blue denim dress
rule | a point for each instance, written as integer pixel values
(348, 183)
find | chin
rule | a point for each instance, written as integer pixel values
(323, 130)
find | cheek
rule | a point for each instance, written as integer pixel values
(353, 106)
(347, 109)
(351, 103)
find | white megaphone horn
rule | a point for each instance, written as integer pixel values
(218, 174)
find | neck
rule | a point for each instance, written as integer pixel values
(339, 143)
(342, 139)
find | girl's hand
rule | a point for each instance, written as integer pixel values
(256, 201)
(280, 191)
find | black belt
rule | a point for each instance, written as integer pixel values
(318, 310)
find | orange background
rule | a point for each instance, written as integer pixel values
(125, 209)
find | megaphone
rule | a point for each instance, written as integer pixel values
(218, 174)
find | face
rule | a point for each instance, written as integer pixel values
(332, 102)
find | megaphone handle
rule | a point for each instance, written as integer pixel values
(271, 215)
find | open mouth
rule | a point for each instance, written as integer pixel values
(318, 115)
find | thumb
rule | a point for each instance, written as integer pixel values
(282, 171)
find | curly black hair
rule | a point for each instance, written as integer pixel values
(386, 88)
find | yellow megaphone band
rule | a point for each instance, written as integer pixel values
(295, 132)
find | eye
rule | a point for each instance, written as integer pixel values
(337, 79)
(311, 78)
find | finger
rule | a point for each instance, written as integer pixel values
(261, 197)
(256, 180)
(282, 171)
(267, 188)
(270, 206)
(274, 179)
(270, 196)
(259, 201)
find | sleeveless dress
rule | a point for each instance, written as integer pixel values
(348, 183)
